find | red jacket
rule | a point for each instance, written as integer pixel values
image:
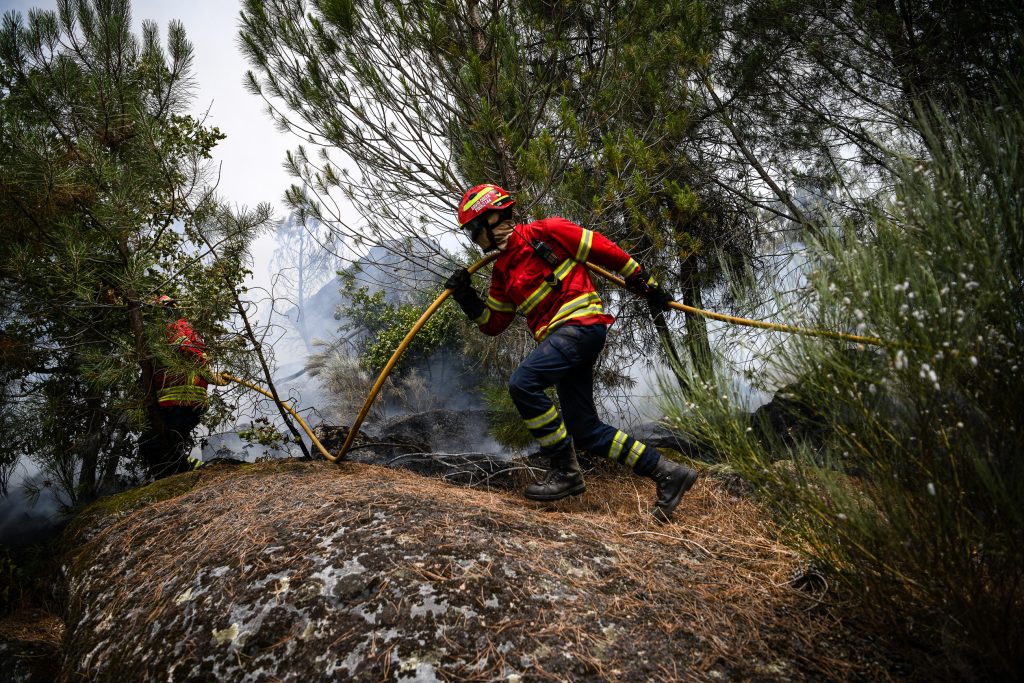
(177, 389)
(518, 278)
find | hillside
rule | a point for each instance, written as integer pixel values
(312, 571)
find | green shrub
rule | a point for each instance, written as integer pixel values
(503, 421)
(912, 491)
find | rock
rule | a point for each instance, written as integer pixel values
(313, 571)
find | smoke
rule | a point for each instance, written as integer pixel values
(25, 518)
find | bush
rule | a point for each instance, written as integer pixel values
(913, 497)
(503, 421)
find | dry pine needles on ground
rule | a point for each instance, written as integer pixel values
(313, 571)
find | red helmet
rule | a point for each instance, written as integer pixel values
(482, 198)
(164, 300)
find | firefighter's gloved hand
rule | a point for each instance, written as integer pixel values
(218, 378)
(659, 298)
(640, 283)
(646, 286)
(464, 294)
(459, 281)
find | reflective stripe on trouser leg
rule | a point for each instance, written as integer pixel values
(548, 429)
(628, 451)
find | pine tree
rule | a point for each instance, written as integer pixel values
(579, 109)
(102, 199)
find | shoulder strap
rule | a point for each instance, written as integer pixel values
(549, 256)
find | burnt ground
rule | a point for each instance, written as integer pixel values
(316, 572)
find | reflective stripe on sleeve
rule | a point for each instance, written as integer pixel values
(483, 317)
(184, 394)
(586, 240)
(629, 269)
(502, 306)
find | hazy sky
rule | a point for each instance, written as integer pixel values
(252, 153)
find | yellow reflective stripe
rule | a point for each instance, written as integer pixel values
(635, 451)
(590, 310)
(535, 297)
(182, 393)
(563, 268)
(183, 390)
(617, 443)
(588, 299)
(541, 420)
(586, 239)
(630, 268)
(585, 304)
(503, 306)
(552, 439)
(477, 196)
(544, 289)
(483, 317)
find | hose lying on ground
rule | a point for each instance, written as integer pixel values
(354, 429)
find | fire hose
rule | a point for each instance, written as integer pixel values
(286, 406)
(734, 320)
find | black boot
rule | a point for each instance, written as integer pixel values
(563, 479)
(673, 481)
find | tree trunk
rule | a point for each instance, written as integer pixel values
(146, 367)
(696, 326)
(88, 452)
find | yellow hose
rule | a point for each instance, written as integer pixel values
(284, 404)
(734, 320)
(398, 354)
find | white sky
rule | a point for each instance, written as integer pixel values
(251, 156)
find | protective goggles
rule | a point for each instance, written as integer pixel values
(487, 219)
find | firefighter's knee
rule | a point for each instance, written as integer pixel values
(521, 387)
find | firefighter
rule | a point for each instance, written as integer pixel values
(181, 394)
(540, 273)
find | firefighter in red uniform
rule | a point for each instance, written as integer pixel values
(540, 273)
(181, 395)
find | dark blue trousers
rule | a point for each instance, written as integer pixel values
(166, 453)
(565, 360)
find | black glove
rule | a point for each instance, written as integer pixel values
(659, 298)
(464, 294)
(646, 286)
